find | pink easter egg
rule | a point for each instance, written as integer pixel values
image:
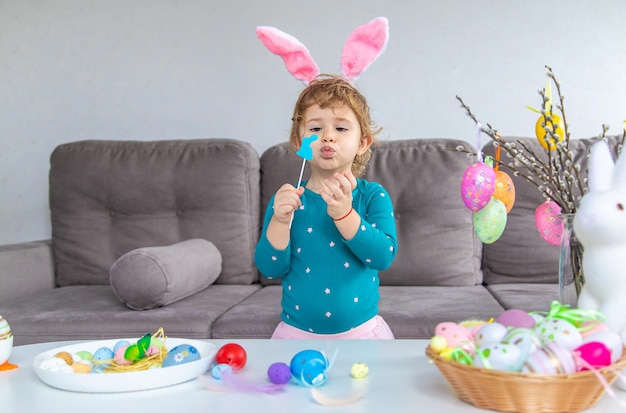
(118, 357)
(611, 340)
(548, 222)
(455, 334)
(516, 318)
(552, 358)
(595, 353)
(490, 221)
(478, 185)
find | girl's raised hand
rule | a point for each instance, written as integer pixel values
(286, 200)
(338, 194)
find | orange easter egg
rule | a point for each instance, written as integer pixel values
(505, 190)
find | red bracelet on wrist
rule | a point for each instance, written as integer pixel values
(339, 219)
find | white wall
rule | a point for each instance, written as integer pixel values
(162, 69)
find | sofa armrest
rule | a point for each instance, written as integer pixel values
(26, 268)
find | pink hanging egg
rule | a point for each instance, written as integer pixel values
(548, 222)
(594, 353)
(478, 185)
(516, 318)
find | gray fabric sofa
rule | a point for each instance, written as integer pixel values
(108, 198)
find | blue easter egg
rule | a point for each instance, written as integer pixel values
(218, 370)
(309, 367)
(103, 354)
(181, 354)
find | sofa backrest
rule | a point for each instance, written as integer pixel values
(436, 241)
(110, 197)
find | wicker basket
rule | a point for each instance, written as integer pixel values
(525, 393)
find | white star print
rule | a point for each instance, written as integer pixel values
(328, 314)
(274, 258)
(310, 330)
(363, 228)
(356, 299)
(327, 290)
(346, 264)
(308, 270)
(297, 307)
(368, 260)
(332, 244)
(302, 207)
(382, 194)
(391, 249)
(299, 250)
(309, 230)
(289, 287)
(374, 225)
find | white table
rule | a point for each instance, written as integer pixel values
(401, 379)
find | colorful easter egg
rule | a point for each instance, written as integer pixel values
(491, 333)
(478, 185)
(500, 356)
(559, 331)
(553, 126)
(490, 221)
(548, 222)
(551, 358)
(232, 354)
(181, 354)
(309, 367)
(526, 339)
(504, 190)
(279, 373)
(611, 340)
(359, 370)
(596, 354)
(515, 318)
(6, 340)
(455, 334)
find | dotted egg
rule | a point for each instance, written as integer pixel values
(504, 190)
(548, 222)
(477, 186)
(490, 221)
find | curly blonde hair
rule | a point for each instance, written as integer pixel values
(329, 91)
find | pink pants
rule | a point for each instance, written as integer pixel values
(373, 329)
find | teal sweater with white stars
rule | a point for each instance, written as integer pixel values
(330, 285)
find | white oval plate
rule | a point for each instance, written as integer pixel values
(129, 381)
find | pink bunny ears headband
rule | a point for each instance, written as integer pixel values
(364, 45)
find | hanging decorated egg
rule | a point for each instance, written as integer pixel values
(540, 131)
(504, 190)
(548, 222)
(514, 317)
(478, 185)
(490, 221)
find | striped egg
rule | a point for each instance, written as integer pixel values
(6, 340)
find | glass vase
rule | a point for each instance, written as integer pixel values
(571, 276)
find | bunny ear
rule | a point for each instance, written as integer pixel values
(364, 45)
(601, 167)
(295, 54)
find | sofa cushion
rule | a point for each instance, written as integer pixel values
(436, 241)
(152, 277)
(93, 312)
(111, 197)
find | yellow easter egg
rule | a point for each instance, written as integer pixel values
(505, 190)
(540, 131)
(438, 343)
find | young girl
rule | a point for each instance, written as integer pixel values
(342, 231)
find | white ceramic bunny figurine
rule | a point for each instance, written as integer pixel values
(600, 224)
